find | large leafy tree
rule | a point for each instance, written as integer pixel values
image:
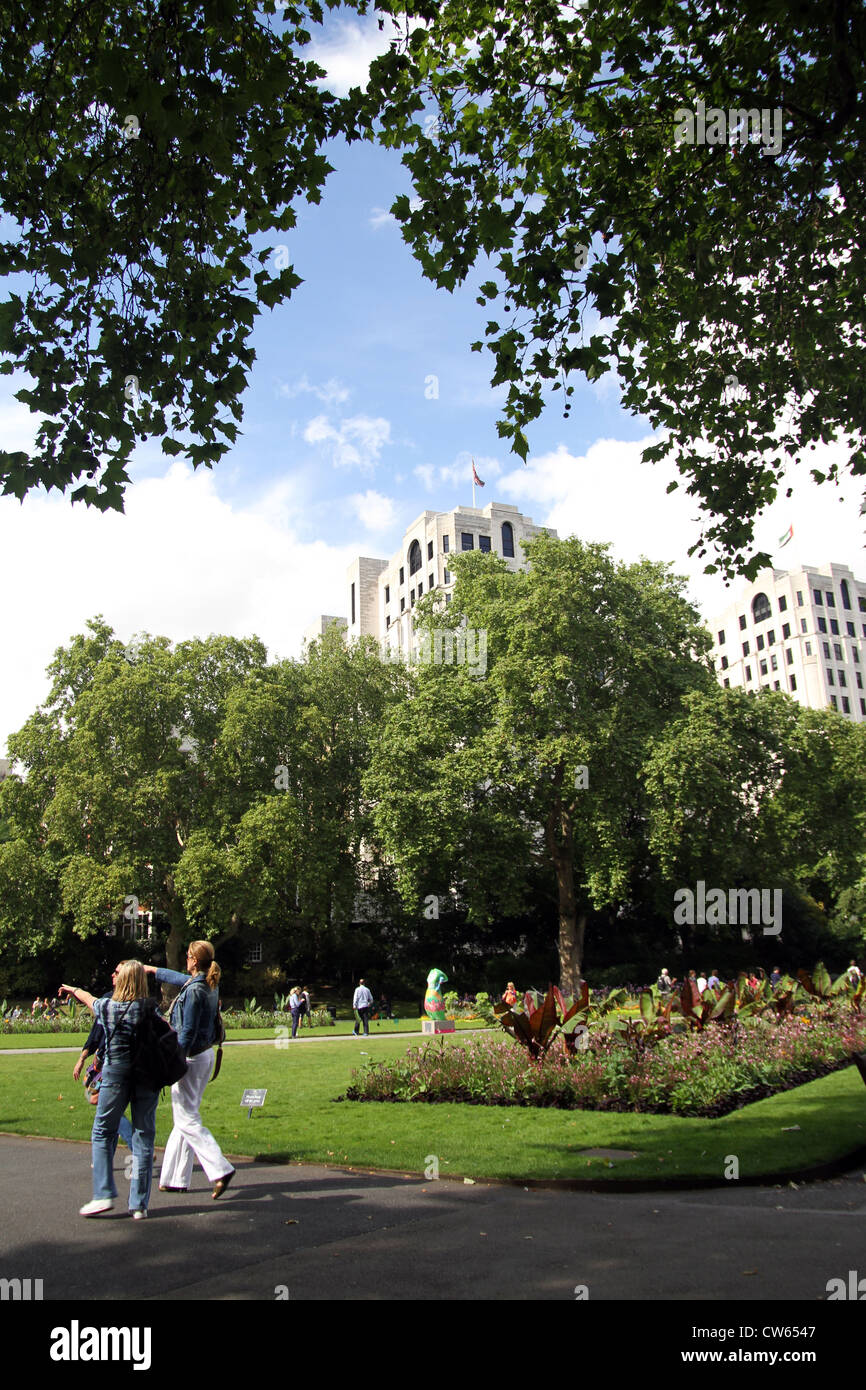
(122, 776)
(538, 759)
(721, 279)
(145, 148)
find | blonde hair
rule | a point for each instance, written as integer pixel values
(204, 959)
(130, 982)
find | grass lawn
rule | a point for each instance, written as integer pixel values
(342, 1028)
(301, 1122)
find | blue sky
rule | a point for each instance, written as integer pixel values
(343, 443)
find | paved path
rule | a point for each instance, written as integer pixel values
(325, 1234)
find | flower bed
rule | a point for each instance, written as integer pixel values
(707, 1073)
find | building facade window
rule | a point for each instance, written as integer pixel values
(833, 702)
(799, 598)
(429, 581)
(445, 544)
(837, 651)
(724, 663)
(447, 574)
(763, 667)
(760, 642)
(793, 682)
(830, 680)
(402, 605)
(803, 627)
(851, 631)
(721, 638)
(822, 624)
(771, 637)
(834, 627)
(727, 683)
(742, 622)
(774, 663)
(353, 605)
(826, 649)
(783, 604)
(402, 575)
(846, 596)
(467, 540)
(760, 608)
(818, 597)
(789, 656)
(786, 631)
(831, 602)
(414, 558)
(429, 550)
(748, 673)
(745, 649)
(842, 681)
(484, 543)
(508, 539)
(846, 708)
(808, 648)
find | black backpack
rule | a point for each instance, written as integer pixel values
(159, 1060)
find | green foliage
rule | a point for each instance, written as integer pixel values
(722, 283)
(146, 151)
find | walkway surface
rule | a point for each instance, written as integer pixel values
(312, 1233)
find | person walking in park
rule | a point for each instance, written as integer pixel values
(362, 1003)
(194, 1016)
(120, 1016)
(510, 995)
(296, 1004)
(95, 1046)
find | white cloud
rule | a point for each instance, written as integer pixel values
(426, 472)
(346, 52)
(330, 393)
(375, 512)
(357, 443)
(181, 561)
(380, 217)
(607, 494)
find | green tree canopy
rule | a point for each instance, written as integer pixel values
(722, 280)
(479, 775)
(145, 148)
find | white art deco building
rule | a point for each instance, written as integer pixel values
(802, 631)
(381, 594)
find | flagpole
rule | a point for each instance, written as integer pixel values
(473, 485)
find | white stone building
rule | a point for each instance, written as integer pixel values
(802, 631)
(382, 593)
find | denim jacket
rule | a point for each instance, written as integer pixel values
(194, 1014)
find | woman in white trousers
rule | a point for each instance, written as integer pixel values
(194, 1018)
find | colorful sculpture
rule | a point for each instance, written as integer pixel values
(433, 1001)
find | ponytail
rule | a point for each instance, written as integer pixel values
(204, 959)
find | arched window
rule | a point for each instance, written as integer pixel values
(507, 539)
(760, 608)
(846, 597)
(414, 558)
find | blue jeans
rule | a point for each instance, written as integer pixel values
(114, 1096)
(296, 1018)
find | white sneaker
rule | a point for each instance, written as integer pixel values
(98, 1205)
(138, 1215)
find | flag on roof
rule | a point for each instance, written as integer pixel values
(475, 477)
(783, 540)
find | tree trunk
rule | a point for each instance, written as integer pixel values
(571, 930)
(560, 844)
(175, 953)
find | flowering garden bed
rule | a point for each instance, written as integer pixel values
(706, 1074)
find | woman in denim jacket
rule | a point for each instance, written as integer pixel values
(193, 1016)
(120, 1016)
